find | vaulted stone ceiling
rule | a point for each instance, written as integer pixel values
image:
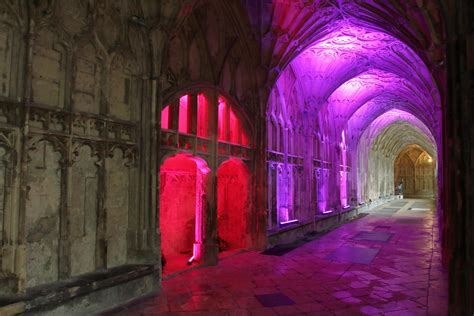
(394, 130)
(363, 75)
(353, 65)
(361, 61)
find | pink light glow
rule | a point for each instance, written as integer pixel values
(233, 179)
(230, 127)
(202, 121)
(244, 138)
(289, 222)
(222, 120)
(165, 117)
(343, 173)
(344, 82)
(234, 128)
(284, 215)
(355, 62)
(182, 205)
(183, 124)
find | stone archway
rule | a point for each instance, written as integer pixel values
(182, 208)
(415, 171)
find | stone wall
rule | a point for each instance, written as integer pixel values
(81, 91)
(70, 138)
(82, 85)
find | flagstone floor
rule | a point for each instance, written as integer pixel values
(386, 263)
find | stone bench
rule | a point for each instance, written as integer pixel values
(87, 294)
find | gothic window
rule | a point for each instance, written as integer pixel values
(282, 139)
(202, 116)
(274, 136)
(86, 89)
(193, 118)
(222, 115)
(184, 112)
(122, 87)
(165, 118)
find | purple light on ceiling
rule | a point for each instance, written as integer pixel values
(355, 83)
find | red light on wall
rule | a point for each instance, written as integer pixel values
(196, 120)
(230, 128)
(183, 123)
(165, 117)
(182, 205)
(232, 204)
(234, 128)
(222, 120)
(244, 138)
(203, 115)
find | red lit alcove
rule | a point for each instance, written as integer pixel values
(183, 122)
(232, 204)
(182, 198)
(222, 120)
(165, 118)
(230, 128)
(203, 115)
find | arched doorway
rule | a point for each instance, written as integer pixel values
(405, 181)
(187, 128)
(415, 174)
(182, 207)
(233, 204)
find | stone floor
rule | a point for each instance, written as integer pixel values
(387, 263)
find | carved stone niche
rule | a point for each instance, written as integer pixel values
(87, 71)
(124, 93)
(42, 211)
(83, 210)
(10, 55)
(49, 69)
(118, 203)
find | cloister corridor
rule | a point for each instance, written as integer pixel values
(386, 262)
(236, 157)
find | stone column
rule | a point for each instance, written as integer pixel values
(210, 251)
(458, 162)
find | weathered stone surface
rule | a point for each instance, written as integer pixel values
(233, 204)
(42, 214)
(88, 294)
(122, 86)
(86, 95)
(99, 72)
(117, 208)
(49, 70)
(6, 51)
(83, 212)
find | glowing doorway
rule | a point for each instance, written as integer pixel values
(182, 207)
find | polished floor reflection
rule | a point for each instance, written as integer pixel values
(386, 263)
